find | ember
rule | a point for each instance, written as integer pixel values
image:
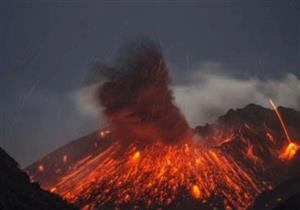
(65, 158)
(40, 168)
(136, 155)
(196, 192)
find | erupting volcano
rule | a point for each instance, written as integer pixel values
(149, 158)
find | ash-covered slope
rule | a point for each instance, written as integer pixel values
(17, 193)
(250, 140)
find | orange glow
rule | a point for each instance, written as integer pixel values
(53, 189)
(136, 155)
(40, 168)
(280, 120)
(196, 192)
(289, 152)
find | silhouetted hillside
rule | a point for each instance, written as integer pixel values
(17, 193)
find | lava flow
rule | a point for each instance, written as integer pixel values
(156, 175)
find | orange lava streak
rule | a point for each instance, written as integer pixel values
(290, 151)
(280, 120)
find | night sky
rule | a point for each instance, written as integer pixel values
(48, 46)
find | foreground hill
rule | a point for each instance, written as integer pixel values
(285, 196)
(17, 193)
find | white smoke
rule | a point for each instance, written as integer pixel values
(86, 102)
(210, 95)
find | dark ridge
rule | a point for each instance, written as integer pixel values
(255, 116)
(292, 203)
(17, 193)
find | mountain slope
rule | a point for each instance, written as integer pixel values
(16, 191)
(282, 195)
(244, 143)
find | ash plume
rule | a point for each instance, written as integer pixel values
(136, 97)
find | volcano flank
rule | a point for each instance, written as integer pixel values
(245, 152)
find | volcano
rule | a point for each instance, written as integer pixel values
(149, 157)
(17, 192)
(230, 163)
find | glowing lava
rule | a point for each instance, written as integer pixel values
(196, 192)
(136, 155)
(156, 175)
(40, 168)
(291, 149)
(289, 152)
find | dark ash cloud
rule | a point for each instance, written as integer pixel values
(136, 97)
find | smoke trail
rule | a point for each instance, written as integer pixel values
(136, 97)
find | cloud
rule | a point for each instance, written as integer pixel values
(209, 91)
(209, 94)
(86, 103)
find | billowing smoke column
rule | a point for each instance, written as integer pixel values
(137, 100)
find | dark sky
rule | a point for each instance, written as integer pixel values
(47, 46)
